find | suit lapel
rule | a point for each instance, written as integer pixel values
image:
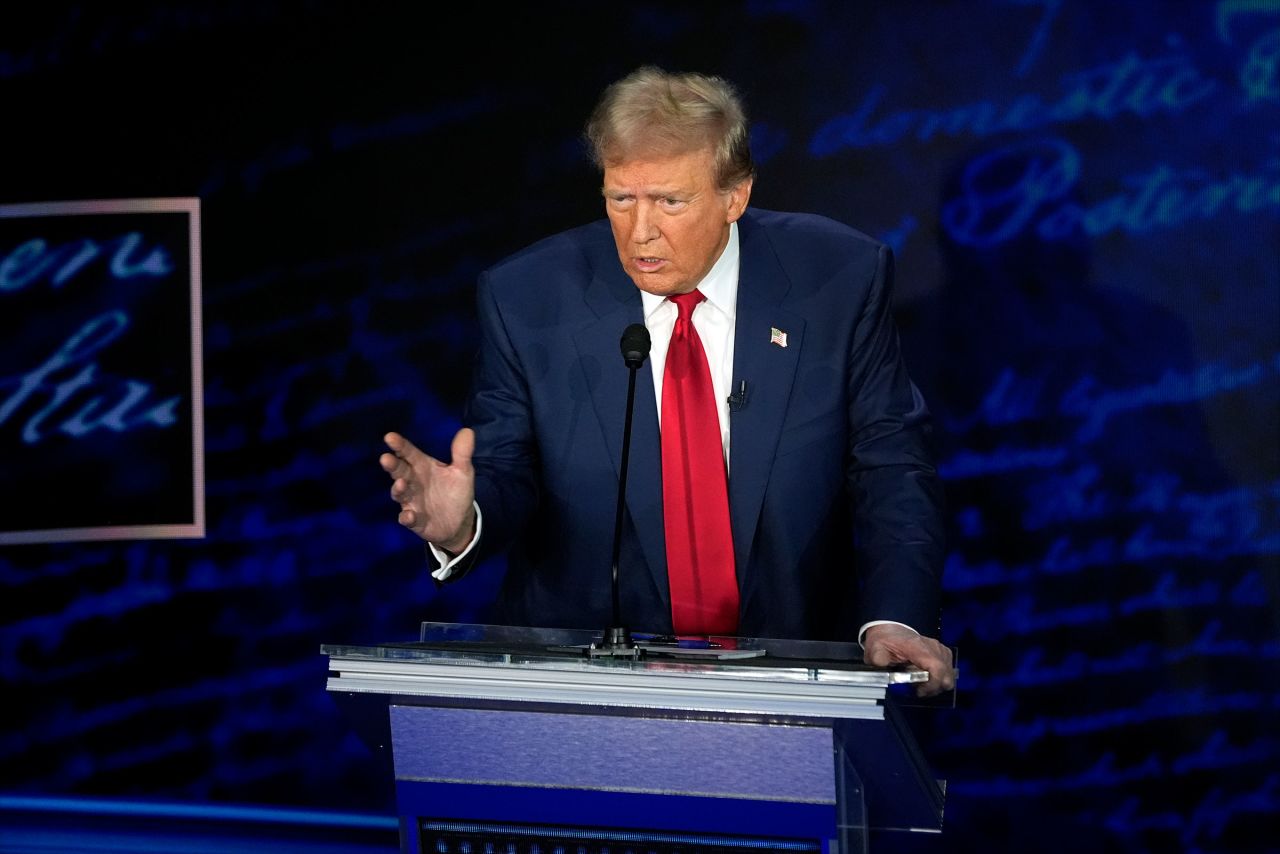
(769, 372)
(615, 300)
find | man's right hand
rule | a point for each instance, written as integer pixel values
(437, 500)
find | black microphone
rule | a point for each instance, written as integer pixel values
(635, 349)
(738, 399)
(635, 346)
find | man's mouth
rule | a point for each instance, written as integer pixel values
(648, 265)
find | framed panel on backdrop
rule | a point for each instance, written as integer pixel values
(101, 415)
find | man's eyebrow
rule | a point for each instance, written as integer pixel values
(654, 193)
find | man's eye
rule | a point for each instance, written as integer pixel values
(672, 203)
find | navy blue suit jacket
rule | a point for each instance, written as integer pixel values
(834, 500)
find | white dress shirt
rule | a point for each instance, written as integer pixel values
(713, 318)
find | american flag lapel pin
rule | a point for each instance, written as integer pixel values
(777, 336)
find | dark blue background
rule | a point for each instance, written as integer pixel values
(1085, 200)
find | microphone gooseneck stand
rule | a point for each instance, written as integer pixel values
(617, 638)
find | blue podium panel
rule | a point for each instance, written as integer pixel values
(731, 785)
(728, 759)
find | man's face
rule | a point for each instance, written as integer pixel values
(669, 220)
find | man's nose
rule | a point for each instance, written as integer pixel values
(643, 226)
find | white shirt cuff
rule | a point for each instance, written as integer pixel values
(446, 562)
(862, 632)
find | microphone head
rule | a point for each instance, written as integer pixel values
(635, 345)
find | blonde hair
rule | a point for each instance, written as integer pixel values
(651, 111)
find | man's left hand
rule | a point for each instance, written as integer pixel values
(885, 645)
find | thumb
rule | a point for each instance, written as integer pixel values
(464, 445)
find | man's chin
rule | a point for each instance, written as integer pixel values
(659, 286)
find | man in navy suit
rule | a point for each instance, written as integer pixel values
(824, 499)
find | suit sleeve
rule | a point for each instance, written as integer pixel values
(892, 480)
(506, 458)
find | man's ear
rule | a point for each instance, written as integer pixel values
(738, 198)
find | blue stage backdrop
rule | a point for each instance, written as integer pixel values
(1084, 199)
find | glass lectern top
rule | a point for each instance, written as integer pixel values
(568, 650)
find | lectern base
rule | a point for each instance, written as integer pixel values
(584, 822)
(506, 742)
(455, 837)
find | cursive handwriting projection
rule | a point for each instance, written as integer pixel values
(1096, 404)
(1234, 514)
(968, 463)
(1036, 668)
(1105, 772)
(1015, 399)
(1040, 36)
(1260, 73)
(1110, 772)
(1020, 614)
(1005, 726)
(1066, 556)
(70, 377)
(1011, 399)
(1026, 187)
(33, 260)
(1206, 823)
(1131, 85)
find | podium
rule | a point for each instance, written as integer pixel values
(511, 740)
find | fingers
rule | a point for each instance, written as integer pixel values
(405, 455)
(891, 645)
(435, 497)
(879, 655)
(935, 658)
(403, 448)
(402, 490)
(464, 445)
(406, 459)
(394, 466)
(401, 463)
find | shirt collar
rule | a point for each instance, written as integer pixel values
(719, 286)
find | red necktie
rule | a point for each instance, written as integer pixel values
(695, 493)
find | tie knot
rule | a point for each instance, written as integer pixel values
(686, 302)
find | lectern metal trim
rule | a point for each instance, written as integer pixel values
(675, 690)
